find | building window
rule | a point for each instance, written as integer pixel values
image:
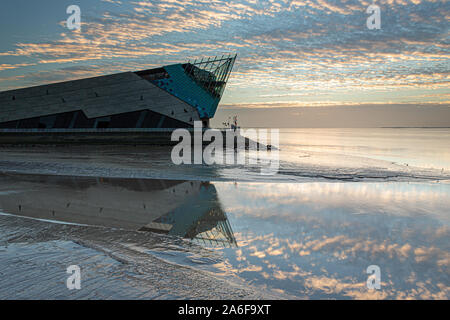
(102, 123)
(47, 122)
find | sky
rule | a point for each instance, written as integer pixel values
(300, 62)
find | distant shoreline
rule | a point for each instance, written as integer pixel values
(257, 127)
(414, 127)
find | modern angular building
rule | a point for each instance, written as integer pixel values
(172, 96)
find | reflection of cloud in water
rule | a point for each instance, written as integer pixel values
(317, 239)
(304, 240)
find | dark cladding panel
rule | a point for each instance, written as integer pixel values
(78, 120)
(151, 120)
(47, 122)
(125, 120)
(83, 122)
(172, 123)
(8, 125)
(30, 123)
(153, 74)
(123, 100)
(63, 120)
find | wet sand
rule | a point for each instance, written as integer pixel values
(115, 264)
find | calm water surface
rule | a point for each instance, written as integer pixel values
(342, 200)
(316, 240)
(289, 240)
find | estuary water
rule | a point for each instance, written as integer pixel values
(141, 227)
(304, 155)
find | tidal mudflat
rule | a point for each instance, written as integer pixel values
(141, 227)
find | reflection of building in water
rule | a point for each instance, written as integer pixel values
(190, 209)
(205, 221)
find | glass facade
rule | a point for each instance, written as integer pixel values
(212, 73)
(199, 83)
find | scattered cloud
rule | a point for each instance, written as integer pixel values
(285, 48)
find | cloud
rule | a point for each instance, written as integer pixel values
(7, 66)
(283, 46)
